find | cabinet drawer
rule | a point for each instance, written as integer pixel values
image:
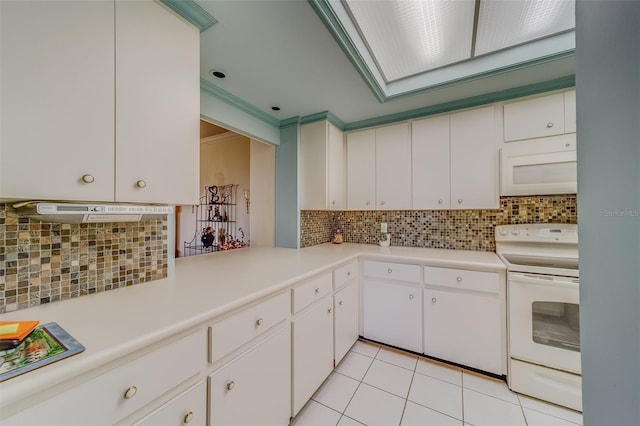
(188, 407)
(310, 291)
(233, 332)
(344, 274)
(462, 278)
(123, 390)
(394, 271)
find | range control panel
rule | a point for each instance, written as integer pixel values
(538, 233)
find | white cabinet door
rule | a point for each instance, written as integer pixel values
(322, 168)
(393, 314)
(570, 111)
(336, 195)
(534, 118)
(254, 389)
(474, 160)
(430, 163)
(190, 407)
(57, 100)
(312, 351)
(157, 105)
(393, 167)
(345, 303)
(361, 170)
(464, 328)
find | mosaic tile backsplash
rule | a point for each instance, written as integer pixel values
(44, 262)
(448, 229)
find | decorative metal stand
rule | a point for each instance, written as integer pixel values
(216, 222)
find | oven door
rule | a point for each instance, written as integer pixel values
(544, 323)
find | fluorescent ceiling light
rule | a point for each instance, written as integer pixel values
(406, 38)
(506, 23)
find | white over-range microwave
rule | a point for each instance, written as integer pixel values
(539, 166)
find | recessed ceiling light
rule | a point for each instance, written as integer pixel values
(218, 74)
(275, 108)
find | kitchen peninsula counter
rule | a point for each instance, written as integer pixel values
(115, 324)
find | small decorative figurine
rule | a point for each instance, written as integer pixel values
(207, 237)
(337, 238)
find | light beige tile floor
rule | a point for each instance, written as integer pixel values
(375, 385)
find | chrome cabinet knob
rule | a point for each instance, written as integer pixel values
(329, 310)
(341, 303)
(434, 300)
(141, 184)
(130, 392)
(317, 290)
(550, 124)
(188, 417)
(259, 322)
(88, 178)
(230, 385)
(389, 271)
(368, 203)
(349, 273)
(333, 202)
(411, 296)
(459, 200)
(459, 279)
(382, 203)
(440, 201)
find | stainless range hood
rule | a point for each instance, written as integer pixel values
(61, 212)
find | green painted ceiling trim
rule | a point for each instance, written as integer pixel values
(330, 20)
(320, 116)
(235, 101)
(192, 12)
(489, 98)
(292, 121)
(486, 74)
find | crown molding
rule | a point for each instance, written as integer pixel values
(192, 12)
(322, 116)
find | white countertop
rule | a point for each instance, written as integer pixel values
(116, 323)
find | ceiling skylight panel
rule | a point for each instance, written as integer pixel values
(408, 37)
(506, 23)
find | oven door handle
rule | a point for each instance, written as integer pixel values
(544, 280)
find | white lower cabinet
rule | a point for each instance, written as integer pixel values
(120, 392)
(463, 328)
(190, 407)
(312, 351)
(254, 388)
(393, 314)
(346, 316)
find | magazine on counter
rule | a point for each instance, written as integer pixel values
(46, 344)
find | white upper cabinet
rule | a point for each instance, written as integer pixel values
(474, 160)
(157, 105)
(393, 167)
(455, 161)
(379, 168)
(430, 163)
(540, 117)
(570, 111)
(322, 167)
(74, 127)
(57, 100)
(361, 170)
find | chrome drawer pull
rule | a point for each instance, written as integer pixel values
(259, 322)
(188, 417)
(88, 178)
(434, 300)
(230, 385)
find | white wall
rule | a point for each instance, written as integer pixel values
(608, 117)
(262, 194)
